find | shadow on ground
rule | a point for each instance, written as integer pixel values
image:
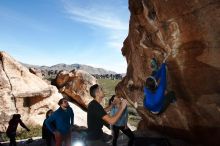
(147, 139)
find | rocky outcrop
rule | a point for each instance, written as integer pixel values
(23, 92)
(76, 84)
(36, 71)
(191, 29)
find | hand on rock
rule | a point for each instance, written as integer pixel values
(169, 50)
(167, 54)
(124, 103)
(136, 105)
(165, 58)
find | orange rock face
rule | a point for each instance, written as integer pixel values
(191, 29)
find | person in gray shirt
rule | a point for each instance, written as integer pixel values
(121, 124)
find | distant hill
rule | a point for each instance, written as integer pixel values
(56, 68)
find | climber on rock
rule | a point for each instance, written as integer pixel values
(156, 99)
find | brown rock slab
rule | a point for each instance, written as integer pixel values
(76, 84)
(23, 92)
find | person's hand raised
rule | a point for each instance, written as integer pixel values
(124, 103)
(165, 58)
(167, 54)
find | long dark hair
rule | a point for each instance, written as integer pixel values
(111, 100)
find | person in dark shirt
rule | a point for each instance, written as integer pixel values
(97, 115)
(46, 133)
(12, 127)
(63, 119)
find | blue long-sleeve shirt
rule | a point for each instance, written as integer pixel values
(153, 100)
(63, 120)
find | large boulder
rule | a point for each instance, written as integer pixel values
(76, 84)
(191, 29)
(36, 71)
(23, 92)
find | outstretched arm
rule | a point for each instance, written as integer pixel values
(162, 85)
(158, 75)
(163, 79)
(113, 119)
(108, 108)
(23, 125)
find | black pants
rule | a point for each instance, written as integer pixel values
(12, 139)
(169, 97)
(126, 131)
(48, 141)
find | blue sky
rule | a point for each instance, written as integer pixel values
(48, 32)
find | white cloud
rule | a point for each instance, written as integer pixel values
(92, 17)
(106, 17)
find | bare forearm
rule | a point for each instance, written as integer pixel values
(23, 125)
(112, 120)
(108, 108)
(115, 118)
